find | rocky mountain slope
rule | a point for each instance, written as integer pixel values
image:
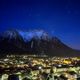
(34, 42)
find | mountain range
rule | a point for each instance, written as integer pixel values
(32, 42)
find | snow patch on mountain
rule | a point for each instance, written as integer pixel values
(37, 34)
(26, 35)
(10, 34)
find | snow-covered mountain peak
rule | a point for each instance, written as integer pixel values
(10, 34)
(37, 34)
(26, 35)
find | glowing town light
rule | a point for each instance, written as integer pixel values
(40, 67)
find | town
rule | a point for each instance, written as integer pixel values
(36, 67)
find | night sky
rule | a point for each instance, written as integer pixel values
(59, 18)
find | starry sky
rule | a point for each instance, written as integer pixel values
(59, 18)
